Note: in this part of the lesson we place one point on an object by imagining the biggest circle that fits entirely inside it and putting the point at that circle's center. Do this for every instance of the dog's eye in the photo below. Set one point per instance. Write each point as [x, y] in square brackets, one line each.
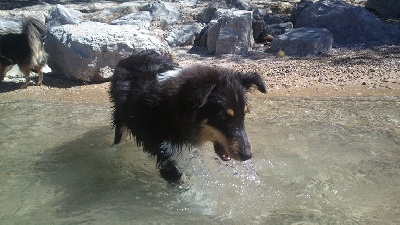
[230, 112]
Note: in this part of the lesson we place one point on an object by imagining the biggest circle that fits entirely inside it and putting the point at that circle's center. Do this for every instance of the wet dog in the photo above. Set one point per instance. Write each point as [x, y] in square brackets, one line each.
[24, 49]
[166, 108]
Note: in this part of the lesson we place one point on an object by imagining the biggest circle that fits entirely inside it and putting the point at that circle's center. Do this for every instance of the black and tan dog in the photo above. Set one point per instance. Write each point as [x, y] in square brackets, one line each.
[24, 49]
[166, 108]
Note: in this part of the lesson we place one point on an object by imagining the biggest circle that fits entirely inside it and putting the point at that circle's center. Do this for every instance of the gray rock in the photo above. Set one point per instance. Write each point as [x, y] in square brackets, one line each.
[231, 32]
[350, 25]
[208, 13]
[164, 11]
[183, 35]
[385, 8]
[8, 25]
[141, 20]
[278, 29]
[90, 51]
[304, 41]
[61, 16]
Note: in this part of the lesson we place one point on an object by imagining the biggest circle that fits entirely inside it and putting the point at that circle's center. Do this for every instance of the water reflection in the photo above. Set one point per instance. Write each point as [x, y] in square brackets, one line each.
[316, 161]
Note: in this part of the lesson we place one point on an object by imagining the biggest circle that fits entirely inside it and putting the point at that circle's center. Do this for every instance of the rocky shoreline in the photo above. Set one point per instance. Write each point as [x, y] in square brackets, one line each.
[352, 71]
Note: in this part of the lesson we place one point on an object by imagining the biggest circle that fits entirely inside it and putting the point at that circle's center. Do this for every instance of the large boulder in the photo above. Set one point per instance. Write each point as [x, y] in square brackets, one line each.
[349, 24]
[304, 41]
[90, 51]
[385, 8]
[230, 32]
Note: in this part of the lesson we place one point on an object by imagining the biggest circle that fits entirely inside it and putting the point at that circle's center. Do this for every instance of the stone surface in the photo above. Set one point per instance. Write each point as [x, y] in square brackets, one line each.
[61, 16]
[90, 51]
[385, 8]
[304, 41]
[231, 32]
[183, 35]
[350, 25]
[9, 25]
[141, 20]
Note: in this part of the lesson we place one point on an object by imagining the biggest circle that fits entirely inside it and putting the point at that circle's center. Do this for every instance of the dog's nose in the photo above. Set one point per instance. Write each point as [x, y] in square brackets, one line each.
[245, 156]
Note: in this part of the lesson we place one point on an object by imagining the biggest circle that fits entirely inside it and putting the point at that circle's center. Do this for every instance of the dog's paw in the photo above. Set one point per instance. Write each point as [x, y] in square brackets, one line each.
[169, 171]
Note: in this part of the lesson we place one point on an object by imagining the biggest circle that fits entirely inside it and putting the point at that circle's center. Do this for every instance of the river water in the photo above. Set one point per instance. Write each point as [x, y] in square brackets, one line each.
[316, 161]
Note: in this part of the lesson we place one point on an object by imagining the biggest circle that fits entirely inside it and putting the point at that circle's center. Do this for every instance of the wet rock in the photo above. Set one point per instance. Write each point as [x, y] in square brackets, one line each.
[90, 51]
[61, 16]
[230, 33]
[350, 25]
[385, 8]
[304, 41]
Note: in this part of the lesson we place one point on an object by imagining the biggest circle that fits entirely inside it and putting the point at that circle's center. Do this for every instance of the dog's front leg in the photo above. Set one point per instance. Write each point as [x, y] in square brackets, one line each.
[167, 167]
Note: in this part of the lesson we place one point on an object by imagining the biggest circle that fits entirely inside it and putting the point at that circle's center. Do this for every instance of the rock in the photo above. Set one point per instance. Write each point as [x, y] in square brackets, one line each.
[304, 41]
[237, 4]
[207, 14]
[183, 35]
[385, 8]
[90, 51]
[201, 38]
[270, 18]
[298, 9]
[110, 13]
[141, 20]
[163, 11]
[278, 29]
[8, 25]
[61, 16]
[231, 32]
[350, 25]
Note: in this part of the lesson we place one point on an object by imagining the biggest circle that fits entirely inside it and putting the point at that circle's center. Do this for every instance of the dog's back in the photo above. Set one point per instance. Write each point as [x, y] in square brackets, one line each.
[131, 77]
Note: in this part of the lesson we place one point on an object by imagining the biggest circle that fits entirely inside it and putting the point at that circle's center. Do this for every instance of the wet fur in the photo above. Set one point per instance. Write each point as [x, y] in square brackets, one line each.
[25, 49]
[197, 105]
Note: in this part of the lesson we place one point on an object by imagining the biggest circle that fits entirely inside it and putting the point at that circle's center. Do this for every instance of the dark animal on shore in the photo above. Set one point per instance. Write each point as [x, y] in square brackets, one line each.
[24, 49]
[166, 108]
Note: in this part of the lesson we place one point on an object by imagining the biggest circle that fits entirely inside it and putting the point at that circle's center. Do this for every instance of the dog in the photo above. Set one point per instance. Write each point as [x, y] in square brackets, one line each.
[165, 107]
[25, 49]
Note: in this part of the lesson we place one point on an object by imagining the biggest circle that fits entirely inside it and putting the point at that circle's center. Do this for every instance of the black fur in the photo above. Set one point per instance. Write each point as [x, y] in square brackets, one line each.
[199, 104]
[24, 49]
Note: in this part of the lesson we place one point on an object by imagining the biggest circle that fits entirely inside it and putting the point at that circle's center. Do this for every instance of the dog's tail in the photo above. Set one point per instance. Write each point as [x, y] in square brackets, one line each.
[35, 31]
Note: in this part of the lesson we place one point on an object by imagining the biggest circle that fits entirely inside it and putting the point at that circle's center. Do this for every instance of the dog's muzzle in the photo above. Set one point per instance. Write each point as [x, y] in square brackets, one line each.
[238, 147]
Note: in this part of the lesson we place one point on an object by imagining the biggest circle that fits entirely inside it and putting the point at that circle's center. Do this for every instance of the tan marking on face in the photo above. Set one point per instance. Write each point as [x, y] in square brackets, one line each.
[209, 133]
[230, 112]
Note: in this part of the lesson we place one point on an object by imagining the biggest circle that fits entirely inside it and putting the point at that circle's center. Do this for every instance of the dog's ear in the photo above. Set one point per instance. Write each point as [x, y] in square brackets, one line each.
[199, 95]
[194, 96]
[252, 78]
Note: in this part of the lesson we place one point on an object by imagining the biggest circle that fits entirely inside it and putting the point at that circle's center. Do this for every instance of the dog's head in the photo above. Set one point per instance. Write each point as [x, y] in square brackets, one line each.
[215, 100]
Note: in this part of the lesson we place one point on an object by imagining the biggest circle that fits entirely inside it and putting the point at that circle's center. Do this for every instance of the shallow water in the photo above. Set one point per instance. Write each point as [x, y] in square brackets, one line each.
[316, 161]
